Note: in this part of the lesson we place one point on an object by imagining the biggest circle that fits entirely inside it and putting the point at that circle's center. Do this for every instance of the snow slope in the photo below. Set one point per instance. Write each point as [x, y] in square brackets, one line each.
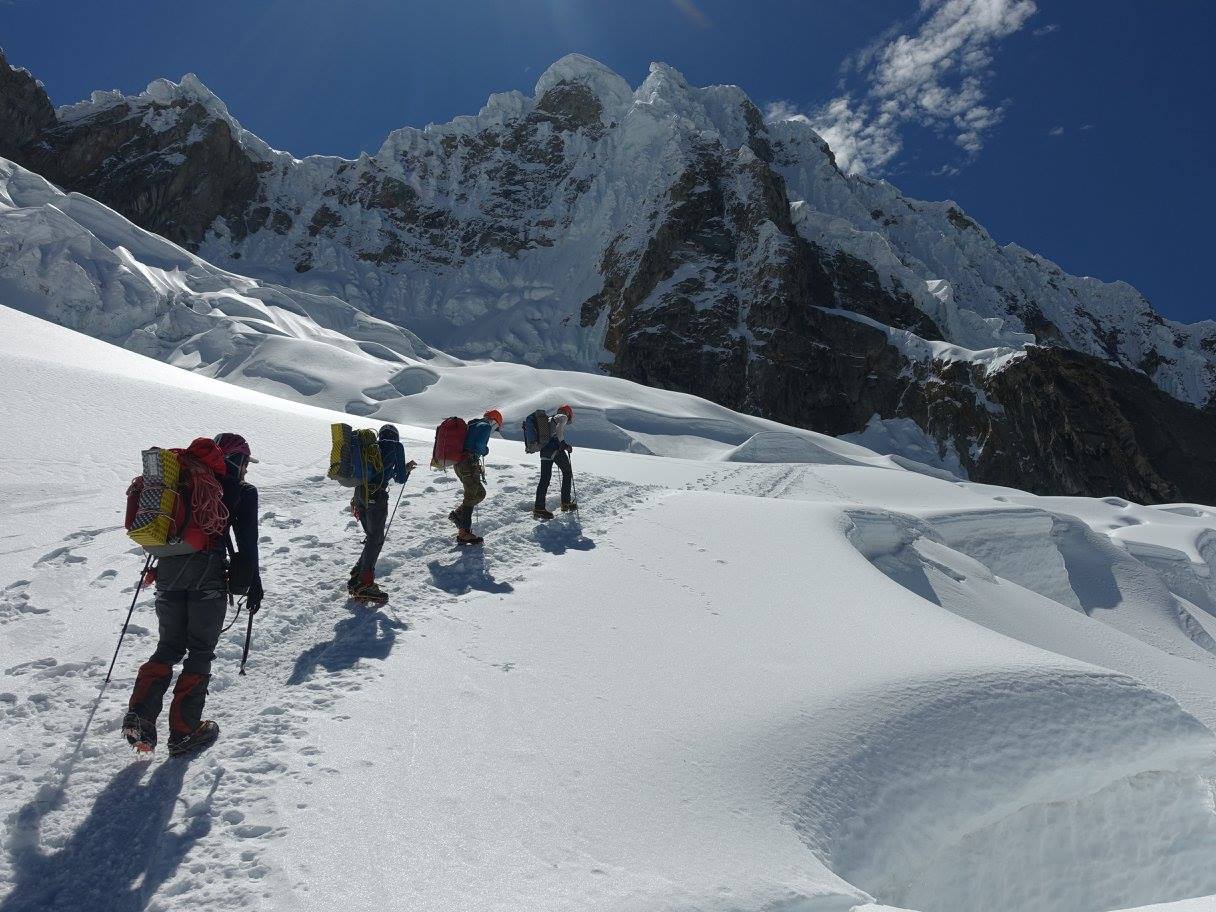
[722, 685]
[69, 259]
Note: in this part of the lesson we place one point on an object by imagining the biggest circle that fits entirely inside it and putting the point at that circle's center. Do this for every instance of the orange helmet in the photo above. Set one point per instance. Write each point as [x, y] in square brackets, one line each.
[567, 411]
[494, 415]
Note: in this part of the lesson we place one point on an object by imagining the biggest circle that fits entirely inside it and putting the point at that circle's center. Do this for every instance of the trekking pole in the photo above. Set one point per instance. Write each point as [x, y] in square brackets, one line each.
[393, 515]
[248, 637]
[142, 573]
[573, 483]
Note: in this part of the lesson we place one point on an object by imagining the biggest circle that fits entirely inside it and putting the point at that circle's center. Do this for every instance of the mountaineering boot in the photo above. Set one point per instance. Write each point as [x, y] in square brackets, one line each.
[542, 513]
[370, 592]
[466, 537]
[567, 507]
[366, 589]
[201, 737]
[139, 732]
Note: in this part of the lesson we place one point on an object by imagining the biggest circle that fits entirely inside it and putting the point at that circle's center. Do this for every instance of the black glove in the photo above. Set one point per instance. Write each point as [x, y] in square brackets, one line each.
[569, 449]
[254, 600]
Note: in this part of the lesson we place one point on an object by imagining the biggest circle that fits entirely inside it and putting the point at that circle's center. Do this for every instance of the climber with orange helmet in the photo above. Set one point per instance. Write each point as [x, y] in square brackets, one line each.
[556, 450]
[472, 473]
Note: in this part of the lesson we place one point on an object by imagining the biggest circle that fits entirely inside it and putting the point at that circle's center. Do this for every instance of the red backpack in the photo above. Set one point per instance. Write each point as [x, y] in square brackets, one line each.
[177, 505]
[449, 443]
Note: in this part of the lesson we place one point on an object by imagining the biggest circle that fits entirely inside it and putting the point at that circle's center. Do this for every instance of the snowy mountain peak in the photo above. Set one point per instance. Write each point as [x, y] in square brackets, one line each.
[721, 110]
[162, 103]
[664, 81]
[612, 90]
[190, 89]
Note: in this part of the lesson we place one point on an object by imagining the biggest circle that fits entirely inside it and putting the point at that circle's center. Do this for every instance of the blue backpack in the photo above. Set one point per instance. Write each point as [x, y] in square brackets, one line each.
[477, 437]
[393, 454]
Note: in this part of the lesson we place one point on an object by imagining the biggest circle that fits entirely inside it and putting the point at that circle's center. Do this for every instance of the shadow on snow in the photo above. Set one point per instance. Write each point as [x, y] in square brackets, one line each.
[363, 635]
[466, 573]
[118, 857]
[560, 537]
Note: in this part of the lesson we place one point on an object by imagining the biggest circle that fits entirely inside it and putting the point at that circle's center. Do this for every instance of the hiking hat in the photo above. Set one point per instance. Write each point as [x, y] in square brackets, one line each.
[494, 415]
[567, 411]
[234, 443]
[389, 432]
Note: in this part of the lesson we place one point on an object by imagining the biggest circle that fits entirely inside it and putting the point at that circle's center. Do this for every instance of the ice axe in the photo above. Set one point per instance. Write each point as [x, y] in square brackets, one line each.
[248, 637]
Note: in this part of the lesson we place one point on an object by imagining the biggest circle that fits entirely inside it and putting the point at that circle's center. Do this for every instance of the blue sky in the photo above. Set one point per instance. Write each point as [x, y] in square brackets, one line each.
[1082, 129]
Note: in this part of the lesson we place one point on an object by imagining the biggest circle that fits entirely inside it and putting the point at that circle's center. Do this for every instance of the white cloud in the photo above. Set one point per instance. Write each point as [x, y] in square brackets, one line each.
[1046, 30]
[781, 110]
[1057, 131]
[931, 75]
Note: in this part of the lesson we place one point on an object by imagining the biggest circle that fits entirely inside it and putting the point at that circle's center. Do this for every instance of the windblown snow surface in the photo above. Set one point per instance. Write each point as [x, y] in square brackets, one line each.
[825, 685]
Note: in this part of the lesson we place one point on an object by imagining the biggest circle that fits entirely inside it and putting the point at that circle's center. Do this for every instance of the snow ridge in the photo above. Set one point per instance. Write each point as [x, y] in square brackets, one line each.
[156, 104]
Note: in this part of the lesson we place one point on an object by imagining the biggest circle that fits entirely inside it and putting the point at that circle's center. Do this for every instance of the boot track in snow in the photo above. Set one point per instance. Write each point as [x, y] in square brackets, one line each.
[96, 816]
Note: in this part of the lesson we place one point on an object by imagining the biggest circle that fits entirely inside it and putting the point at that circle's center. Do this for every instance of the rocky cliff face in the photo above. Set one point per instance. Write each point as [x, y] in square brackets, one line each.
[668, 235]
[25, 110]
[170, 166]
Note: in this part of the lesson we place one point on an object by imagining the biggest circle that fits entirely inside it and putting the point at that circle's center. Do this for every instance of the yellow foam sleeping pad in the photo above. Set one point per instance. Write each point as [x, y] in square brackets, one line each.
[339, 452]
[154, 525]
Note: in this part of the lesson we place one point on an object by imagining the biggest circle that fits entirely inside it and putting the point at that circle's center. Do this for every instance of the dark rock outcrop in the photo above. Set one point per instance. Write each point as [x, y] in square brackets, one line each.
[25, 110]
[174, 177]
[1073, 424]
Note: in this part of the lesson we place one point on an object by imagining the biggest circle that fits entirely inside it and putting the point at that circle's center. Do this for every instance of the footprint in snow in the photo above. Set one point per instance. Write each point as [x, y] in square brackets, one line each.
[64, 670]
[104, 579]
[87, 535]
[270, 518]
[15, 602]
[35, 665]
[61, 556]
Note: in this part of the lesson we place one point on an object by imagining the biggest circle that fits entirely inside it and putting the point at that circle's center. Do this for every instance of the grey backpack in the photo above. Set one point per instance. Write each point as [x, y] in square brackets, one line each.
[536, 431]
